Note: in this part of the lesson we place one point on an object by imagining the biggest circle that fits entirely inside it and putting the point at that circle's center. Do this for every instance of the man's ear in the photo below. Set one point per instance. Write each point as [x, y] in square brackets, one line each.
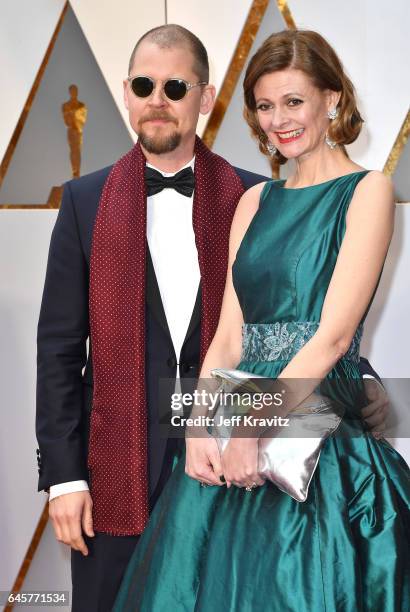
[208, 96]
[125, 92]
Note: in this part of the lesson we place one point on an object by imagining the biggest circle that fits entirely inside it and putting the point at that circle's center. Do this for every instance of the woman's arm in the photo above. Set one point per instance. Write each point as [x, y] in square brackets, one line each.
[202, 457]
[225, 348]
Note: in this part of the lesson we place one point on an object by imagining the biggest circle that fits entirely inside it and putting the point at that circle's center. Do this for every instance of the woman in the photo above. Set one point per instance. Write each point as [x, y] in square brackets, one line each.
[308, 250]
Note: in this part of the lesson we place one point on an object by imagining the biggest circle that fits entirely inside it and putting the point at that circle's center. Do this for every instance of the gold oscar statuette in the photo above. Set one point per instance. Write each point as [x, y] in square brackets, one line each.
[75, 115]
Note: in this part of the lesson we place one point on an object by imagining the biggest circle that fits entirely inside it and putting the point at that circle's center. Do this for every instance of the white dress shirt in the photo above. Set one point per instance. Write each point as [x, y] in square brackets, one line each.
[171, 242]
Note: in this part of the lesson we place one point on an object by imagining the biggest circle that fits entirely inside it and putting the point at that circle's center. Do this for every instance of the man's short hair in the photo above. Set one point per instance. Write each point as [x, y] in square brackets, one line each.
[171, 36]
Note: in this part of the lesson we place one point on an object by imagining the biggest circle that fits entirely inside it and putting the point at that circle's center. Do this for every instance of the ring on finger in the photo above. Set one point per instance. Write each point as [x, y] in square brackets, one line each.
[250, 487]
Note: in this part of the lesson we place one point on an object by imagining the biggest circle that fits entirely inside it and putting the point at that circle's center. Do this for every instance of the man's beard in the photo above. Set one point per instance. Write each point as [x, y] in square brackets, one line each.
[159, 144]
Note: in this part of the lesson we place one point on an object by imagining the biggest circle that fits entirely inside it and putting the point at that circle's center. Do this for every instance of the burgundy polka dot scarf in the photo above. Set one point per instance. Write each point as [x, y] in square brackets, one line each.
[118, 436]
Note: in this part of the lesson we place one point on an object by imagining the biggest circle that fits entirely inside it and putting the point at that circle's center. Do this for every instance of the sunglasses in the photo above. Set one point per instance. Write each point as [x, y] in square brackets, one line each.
[174, 89]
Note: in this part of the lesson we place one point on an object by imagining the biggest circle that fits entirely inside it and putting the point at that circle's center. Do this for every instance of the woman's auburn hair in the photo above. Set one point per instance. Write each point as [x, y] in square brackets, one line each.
[309, 52]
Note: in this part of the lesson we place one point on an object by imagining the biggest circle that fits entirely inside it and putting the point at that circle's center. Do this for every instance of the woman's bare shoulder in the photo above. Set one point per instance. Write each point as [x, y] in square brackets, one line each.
[373, 199]
[245, 211]
[249, 202]
[375, 186]
[377, 178]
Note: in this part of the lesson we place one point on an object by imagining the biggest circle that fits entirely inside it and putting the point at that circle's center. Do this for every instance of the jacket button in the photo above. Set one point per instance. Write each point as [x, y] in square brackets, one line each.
[37, 451]
[171, 362]
[185, 368]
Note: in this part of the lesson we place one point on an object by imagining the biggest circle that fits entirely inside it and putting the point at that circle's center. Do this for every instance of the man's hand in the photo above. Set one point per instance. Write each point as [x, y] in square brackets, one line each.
[375, 412]
[203, 460]
[69, 513]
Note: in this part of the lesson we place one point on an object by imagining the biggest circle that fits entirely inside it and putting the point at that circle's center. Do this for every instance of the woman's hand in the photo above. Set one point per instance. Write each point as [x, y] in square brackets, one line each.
[203, 460]
[240, 462]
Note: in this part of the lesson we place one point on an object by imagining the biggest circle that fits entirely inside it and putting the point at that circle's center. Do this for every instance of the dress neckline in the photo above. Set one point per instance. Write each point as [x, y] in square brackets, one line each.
[337, 178]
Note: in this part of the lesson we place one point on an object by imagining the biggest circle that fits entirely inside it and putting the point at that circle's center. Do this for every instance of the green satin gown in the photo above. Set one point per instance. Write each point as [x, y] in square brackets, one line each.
[347, 547]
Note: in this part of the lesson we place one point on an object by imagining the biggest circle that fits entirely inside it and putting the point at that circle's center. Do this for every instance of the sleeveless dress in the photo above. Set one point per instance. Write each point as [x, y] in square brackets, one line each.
[347, 547]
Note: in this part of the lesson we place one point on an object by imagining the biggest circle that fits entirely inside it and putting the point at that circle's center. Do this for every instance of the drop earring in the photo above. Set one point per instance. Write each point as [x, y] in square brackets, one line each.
[330, 143]
[271, 148]
[332, 114]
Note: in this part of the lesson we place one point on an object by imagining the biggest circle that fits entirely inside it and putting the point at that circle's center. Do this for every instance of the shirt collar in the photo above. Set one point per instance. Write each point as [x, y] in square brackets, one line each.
[189, 164]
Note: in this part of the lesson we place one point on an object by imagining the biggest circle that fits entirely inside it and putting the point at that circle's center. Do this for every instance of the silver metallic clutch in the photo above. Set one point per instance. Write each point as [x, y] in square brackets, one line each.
[288, 455]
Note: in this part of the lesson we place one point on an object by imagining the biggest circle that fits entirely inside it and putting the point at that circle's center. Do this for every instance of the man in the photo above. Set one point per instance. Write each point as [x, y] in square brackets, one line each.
[137, 264]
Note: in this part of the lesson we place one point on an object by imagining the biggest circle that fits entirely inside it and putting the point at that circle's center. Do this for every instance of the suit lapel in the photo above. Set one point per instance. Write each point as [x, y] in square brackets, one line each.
[153, 295]
[196, 315]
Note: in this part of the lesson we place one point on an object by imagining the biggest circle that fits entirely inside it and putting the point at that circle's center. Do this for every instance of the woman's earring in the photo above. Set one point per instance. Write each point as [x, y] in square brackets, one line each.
[271, 148]
[332, 113]
[330, 143]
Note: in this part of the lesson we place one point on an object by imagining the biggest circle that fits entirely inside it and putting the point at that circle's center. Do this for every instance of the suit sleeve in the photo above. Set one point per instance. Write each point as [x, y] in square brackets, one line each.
[63, 329]
[366, 369]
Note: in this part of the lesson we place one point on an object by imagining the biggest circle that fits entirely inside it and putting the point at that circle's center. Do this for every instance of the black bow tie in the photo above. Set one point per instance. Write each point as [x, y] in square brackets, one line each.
[182, 181]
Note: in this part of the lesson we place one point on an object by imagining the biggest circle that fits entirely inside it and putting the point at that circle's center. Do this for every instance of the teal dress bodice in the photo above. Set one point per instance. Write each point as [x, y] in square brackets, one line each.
[289, 251]
[347, 547]
[286, 259]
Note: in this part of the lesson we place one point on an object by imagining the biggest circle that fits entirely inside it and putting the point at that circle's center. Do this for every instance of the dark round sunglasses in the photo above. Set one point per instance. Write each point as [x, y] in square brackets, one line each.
[174, 89]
